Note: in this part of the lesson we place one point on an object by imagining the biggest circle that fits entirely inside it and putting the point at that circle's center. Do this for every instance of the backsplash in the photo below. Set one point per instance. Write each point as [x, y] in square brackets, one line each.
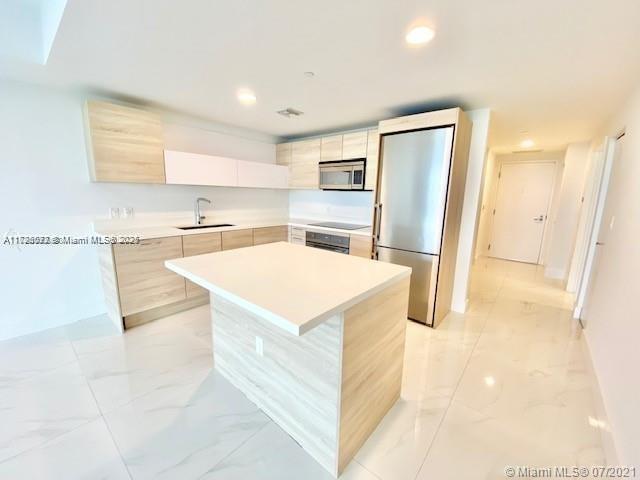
[354, 207]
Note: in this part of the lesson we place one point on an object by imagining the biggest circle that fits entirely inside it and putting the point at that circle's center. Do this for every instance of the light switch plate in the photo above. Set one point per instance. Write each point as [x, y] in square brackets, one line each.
[259, 346]
[114, 212]
[127, 212]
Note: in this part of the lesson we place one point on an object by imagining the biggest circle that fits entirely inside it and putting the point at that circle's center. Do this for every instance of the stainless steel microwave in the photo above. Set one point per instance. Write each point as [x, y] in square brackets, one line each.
[342, 174]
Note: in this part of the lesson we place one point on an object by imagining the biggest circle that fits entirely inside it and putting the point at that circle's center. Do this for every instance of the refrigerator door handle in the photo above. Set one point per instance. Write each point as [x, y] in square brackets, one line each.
[378, 219]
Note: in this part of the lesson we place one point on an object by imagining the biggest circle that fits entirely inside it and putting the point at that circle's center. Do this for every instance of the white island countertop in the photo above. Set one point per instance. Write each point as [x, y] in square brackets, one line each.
[292, 286]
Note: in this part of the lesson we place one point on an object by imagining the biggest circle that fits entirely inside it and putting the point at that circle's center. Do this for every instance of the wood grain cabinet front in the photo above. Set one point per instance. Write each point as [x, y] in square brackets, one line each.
[143, 280]
[270, 234]
[354, 145]
[237, 239]
[371, 173]
[303, 170]
[200, 244]
[360, 246]
[125, 144]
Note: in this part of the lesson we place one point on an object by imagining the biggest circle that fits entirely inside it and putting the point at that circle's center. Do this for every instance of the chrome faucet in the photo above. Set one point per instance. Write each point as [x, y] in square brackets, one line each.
[196, 209]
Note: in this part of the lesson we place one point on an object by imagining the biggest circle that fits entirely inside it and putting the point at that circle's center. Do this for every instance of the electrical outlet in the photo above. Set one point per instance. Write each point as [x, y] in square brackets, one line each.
[127, 212]
[260, 346]
[114, 212]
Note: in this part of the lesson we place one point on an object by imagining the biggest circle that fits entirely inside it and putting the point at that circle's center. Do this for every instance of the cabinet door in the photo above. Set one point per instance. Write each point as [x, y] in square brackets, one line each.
[125, 144]
[199, 244]
[371, 175]
[298, 236]
[262, 175]
[283, 154]
[237, 239]
[331, 148]
[270, 234]
[354, 145]
[360, 246]
[143, 280]
[303, 172]
[184, 168]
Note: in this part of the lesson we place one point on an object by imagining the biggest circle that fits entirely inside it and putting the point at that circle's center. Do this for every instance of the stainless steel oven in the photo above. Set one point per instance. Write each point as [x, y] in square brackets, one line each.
[342, 175]
[328, 241]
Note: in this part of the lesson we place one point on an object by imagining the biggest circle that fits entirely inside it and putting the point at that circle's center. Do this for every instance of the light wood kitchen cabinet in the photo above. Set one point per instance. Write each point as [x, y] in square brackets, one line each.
[360, 246]
[143, 280]
[331, 148]
[237, 239]
[270, 234]
[200, 244]
[125, 144]
[354, 145]
[303, 170]
[371, 173]
[283, 154]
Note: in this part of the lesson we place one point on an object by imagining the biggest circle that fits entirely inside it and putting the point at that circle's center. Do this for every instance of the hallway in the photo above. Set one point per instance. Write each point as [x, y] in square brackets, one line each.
[504, 384]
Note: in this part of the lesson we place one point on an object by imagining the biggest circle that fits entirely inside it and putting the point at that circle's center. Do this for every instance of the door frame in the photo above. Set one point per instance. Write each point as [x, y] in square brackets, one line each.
[542, 253]
[594, 229]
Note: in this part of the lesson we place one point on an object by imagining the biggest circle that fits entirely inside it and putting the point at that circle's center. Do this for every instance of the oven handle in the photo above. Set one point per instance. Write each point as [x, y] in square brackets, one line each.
[327, 247]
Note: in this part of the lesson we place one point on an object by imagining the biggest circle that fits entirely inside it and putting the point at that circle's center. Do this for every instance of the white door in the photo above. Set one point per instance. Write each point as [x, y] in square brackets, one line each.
[520, 215]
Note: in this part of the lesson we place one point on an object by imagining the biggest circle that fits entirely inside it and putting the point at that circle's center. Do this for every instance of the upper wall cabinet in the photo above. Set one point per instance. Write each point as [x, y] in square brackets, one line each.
[354, 145]
[124, 144]
[331, 148]
[303, 170]
[283, 154]
[262, 175]
[185, 168]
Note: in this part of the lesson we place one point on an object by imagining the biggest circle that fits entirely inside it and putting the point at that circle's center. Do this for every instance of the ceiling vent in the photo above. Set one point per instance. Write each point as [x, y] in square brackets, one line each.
[290, 112]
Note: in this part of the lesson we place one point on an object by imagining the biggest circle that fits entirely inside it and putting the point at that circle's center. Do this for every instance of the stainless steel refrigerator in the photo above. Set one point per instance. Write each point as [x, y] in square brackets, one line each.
[411, 201]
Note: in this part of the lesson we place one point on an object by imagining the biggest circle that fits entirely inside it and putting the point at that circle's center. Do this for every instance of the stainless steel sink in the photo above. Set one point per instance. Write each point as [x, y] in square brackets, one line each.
[195, 227]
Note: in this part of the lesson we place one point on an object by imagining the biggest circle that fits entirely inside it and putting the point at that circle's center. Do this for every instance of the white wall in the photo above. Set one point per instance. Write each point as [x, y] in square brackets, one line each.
[45, 189]
[471, 206]
[564, 222]
[613, 324]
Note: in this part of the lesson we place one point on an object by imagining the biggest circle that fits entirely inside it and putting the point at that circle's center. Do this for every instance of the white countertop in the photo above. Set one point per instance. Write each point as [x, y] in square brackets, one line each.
[146, 232]
[292, 286]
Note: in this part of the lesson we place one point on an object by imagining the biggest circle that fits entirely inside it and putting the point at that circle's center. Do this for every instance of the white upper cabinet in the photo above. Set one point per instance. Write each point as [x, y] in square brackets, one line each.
[183, 168]
[262, 175]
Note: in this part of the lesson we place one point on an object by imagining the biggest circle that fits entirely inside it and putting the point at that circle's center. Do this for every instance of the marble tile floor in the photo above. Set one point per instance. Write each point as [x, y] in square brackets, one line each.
[504, 384]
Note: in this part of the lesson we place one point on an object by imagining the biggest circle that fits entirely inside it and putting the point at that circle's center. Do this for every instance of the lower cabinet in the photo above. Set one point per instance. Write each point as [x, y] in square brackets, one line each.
[298, 236]
[270, 234]
[200, 244]
[143, 280]
[237, 239]
[360, 246]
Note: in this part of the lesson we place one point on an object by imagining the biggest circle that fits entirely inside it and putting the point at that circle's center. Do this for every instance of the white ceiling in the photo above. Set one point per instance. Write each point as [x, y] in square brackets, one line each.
[554, 68]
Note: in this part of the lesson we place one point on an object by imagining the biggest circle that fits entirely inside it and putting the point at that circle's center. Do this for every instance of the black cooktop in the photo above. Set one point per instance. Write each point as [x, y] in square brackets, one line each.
[343, 226]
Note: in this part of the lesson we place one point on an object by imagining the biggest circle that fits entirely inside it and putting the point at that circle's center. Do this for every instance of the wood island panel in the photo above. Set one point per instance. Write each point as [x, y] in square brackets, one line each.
[296, 380]
[360, 246]
[372, 359]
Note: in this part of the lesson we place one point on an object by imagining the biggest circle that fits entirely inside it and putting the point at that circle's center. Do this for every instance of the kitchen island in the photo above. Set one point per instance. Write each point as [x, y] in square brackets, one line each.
[314, 338]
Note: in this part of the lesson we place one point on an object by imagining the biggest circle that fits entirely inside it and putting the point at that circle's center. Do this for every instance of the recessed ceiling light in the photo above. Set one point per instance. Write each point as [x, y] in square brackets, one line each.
[528, 143]
[246, 96]
[420, 35]
[489, 381]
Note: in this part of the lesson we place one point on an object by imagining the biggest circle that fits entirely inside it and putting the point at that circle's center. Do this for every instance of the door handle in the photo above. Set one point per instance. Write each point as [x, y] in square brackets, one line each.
[539, 218]
[378, 219]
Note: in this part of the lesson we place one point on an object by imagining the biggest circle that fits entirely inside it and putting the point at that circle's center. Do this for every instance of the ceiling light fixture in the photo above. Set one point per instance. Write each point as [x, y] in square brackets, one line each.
[420, 35]
[290, 112]
[528, 143]
[246, 96]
